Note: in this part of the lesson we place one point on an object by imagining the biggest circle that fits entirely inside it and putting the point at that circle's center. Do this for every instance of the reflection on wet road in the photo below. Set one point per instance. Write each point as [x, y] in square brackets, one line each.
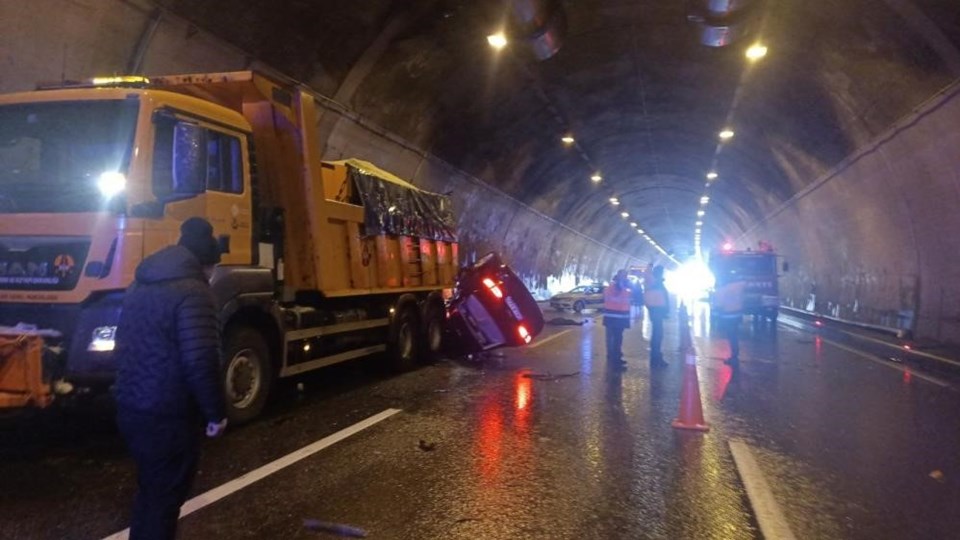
[545, 442]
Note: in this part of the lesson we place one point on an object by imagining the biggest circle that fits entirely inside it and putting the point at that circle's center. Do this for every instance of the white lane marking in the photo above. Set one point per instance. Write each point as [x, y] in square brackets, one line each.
[911, 352]
[217, 493]
[548, 339]
[913, 373]
[773, 524]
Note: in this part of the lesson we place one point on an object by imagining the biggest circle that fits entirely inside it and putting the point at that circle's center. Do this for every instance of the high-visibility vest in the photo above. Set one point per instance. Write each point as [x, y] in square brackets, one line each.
[730, 297]
[655, 297]
[616, 301]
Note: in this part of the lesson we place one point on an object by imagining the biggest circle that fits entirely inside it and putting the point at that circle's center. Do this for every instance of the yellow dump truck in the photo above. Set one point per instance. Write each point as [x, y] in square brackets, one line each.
[323, 261]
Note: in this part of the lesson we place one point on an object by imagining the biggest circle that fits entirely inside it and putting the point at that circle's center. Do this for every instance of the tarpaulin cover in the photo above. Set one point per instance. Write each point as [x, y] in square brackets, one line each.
[393, 206]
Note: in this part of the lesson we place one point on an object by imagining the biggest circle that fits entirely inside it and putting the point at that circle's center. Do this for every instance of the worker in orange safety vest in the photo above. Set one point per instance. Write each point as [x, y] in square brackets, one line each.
[657, 299]
[616, 317]
[729, 306]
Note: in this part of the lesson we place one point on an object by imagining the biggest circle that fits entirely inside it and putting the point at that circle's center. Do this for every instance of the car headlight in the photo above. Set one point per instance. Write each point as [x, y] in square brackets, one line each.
[102, 338]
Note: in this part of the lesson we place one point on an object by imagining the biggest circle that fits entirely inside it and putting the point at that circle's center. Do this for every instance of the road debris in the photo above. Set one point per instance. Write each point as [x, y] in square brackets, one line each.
[549, 376]
[339, 529]
[938, 475]
[427, 447]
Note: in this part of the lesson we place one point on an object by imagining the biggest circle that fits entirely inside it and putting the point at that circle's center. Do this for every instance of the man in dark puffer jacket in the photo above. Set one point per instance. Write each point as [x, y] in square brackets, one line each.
[168, 354]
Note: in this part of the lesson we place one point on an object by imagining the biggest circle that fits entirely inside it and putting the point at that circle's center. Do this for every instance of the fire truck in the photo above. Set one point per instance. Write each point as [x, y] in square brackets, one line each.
[758, 269]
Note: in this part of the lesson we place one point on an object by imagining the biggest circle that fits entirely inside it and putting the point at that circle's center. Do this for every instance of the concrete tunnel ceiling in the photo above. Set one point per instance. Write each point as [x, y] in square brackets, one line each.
[632, 81]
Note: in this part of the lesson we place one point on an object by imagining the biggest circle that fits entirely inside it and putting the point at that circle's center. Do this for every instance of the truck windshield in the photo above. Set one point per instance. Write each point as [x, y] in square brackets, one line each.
[64, 156]
[728, 266]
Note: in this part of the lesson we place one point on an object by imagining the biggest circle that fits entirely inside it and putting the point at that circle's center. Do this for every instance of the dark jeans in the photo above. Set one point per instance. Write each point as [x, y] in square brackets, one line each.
[614, 343]
[656, 338]
[731, 329]
[166, 450]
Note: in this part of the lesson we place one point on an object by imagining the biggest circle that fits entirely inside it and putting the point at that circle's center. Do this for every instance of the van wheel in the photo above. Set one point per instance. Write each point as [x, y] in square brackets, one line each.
[578, 306]
[247, 374]
[434, 322]
[404, 336]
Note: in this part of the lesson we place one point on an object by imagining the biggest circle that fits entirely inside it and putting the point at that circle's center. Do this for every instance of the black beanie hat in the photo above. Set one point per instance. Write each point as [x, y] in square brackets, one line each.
[196, 234]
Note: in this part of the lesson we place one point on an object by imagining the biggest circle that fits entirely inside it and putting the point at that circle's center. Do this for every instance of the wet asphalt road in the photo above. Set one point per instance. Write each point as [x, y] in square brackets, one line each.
[545, 442]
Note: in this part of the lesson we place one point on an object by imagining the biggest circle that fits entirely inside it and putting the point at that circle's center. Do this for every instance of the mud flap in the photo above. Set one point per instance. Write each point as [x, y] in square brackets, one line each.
[21, 372]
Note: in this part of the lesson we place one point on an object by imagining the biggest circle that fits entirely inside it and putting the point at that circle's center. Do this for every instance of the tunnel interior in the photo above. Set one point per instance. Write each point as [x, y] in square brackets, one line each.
[842, 152]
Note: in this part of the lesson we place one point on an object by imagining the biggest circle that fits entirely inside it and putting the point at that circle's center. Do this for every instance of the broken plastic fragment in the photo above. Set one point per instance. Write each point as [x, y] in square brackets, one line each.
[339, 529]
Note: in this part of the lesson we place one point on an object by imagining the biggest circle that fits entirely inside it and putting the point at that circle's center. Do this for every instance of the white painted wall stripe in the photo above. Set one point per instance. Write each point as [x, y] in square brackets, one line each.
[773, 525]
[255, 475]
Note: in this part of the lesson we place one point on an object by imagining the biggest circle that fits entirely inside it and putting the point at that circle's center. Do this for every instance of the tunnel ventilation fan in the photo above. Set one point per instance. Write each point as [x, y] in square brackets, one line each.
[721, 23]
[541, 24]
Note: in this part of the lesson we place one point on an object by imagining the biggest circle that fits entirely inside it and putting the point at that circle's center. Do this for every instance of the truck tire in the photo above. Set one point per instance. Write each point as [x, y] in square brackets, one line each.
[404, 339]
[247, 374]
[434, 323]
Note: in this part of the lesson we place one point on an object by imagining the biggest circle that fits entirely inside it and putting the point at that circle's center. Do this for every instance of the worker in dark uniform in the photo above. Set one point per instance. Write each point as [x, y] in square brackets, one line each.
[657, 299]
[168, 383]
[616, 317]
[729, 307]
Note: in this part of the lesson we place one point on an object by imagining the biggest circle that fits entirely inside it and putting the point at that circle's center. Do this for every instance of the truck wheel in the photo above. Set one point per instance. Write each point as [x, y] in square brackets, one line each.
[247, 374]
[434, 321]
[578, 306]
[404, 336]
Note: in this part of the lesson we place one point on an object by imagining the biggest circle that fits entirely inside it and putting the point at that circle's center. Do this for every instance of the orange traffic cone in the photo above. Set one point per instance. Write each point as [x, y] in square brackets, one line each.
[691, 413]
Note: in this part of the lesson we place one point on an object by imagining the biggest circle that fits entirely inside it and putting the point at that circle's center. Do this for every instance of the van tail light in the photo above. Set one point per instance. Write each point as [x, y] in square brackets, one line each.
[524, 334]
[493, 287]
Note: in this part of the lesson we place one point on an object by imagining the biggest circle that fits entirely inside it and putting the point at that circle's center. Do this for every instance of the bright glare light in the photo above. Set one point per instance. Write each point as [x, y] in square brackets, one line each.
[111, 183]
[567, 139]
[691, 280]
[711, 175]
[704, 200]
[596, 177]
[497, 41]
[726, 134]
[727, 246]
[756, 52]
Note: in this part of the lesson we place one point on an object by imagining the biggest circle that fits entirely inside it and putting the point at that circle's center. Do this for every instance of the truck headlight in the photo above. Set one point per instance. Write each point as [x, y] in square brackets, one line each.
[102, 339]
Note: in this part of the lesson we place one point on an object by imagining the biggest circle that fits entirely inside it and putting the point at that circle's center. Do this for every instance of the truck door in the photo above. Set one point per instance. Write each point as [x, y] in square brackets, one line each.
[228, 197]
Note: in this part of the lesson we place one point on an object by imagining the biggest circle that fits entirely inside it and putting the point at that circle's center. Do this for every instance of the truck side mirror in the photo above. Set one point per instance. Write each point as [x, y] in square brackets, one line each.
[189, 159]
[786, 267]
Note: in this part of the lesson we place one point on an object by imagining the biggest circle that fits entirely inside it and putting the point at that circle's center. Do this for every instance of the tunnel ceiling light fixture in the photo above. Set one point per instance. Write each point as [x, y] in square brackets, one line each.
[639, 231]
[497, 40]
[726, 134]
[712, 175]
[568, 140]
[700, 213]
[756, 52]
[704, 200]
[699, 223]
[624, 215]
[633, 224]
[596, 178]
[614, 201]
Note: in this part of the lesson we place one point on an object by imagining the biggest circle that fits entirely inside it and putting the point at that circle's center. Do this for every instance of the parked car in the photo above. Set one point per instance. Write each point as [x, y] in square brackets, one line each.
[490, 308]
[578, 299]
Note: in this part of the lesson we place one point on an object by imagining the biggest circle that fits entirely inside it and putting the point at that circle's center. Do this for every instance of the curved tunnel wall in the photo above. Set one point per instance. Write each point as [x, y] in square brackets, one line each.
[96, 37]
[876, 238]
